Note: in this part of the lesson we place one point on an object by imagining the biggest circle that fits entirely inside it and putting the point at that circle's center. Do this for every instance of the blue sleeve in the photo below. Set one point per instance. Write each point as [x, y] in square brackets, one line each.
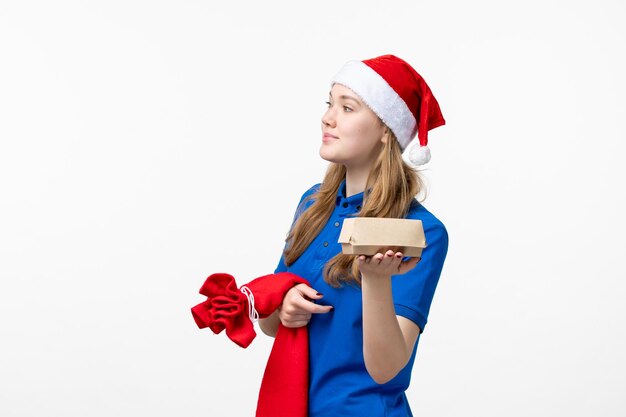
[413, 291]
[302, 206]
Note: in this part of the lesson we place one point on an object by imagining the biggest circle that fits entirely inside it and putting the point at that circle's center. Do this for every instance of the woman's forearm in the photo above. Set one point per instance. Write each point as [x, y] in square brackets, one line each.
[384, 346]
[269, 325]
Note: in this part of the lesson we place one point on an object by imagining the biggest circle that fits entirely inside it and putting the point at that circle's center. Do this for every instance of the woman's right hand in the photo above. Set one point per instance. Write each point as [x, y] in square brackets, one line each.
[296, 309]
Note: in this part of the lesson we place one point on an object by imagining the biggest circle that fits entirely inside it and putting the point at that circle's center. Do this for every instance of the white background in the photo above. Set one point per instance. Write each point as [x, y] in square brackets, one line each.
[148, 144]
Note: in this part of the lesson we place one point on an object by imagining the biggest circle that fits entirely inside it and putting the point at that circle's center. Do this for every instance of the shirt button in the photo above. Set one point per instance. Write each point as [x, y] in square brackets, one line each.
[336, 224]
[345, 204]
[325, 243]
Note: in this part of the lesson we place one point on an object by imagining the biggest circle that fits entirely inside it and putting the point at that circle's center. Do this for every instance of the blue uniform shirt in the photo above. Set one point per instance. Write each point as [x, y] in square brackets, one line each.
[339, 384]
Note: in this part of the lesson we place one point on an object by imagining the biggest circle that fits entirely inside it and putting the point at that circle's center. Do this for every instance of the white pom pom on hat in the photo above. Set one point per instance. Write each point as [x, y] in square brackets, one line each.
[399, 96]
[419, 155]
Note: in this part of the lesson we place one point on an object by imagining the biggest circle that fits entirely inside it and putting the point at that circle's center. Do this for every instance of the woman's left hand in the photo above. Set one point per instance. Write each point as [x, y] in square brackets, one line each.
[381, 265]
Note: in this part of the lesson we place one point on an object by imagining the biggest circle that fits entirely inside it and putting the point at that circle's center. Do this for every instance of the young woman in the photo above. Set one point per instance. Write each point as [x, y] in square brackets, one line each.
[365, 314]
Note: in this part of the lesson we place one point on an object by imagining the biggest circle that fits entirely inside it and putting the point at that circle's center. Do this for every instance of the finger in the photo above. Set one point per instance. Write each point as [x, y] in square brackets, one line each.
[324, 309]
[309, 292]
[408, 265]
[398, 259]
[311, 307]
[295, 321]
[394, 259]
[293, 324]
[389, 256]
[299, 315]
[364, 259]
[294, 309]
[295, 313]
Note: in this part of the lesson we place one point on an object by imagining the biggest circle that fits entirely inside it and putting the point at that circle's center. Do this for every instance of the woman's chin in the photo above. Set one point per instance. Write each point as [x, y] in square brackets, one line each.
[325, 155]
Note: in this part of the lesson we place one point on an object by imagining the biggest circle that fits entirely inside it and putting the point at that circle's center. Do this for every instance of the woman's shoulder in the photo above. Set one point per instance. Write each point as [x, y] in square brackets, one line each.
[306, 202]
[312, 190]
[430, 222]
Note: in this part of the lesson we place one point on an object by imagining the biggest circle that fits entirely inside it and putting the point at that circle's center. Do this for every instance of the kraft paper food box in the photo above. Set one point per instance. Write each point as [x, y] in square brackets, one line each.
[369, 235]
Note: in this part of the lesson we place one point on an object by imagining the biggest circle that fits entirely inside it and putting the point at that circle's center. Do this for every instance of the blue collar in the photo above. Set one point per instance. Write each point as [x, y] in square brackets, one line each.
[354, 200]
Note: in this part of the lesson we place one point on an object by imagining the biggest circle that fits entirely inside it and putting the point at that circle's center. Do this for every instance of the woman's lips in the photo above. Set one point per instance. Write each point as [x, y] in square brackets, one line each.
[328, 137]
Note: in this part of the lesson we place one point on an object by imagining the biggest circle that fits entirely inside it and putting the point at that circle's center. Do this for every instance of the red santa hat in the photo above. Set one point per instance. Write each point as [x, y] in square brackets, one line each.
[399, 96]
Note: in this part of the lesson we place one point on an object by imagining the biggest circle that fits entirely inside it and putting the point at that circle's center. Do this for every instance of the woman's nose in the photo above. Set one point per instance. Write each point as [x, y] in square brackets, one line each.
[328, 118]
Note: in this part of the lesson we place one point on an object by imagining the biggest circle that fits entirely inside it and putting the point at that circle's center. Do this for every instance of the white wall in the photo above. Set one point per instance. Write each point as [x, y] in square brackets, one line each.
[147, 144]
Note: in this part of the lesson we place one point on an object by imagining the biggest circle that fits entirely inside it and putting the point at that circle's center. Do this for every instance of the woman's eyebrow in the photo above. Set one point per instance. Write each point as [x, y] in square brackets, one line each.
[346, 97]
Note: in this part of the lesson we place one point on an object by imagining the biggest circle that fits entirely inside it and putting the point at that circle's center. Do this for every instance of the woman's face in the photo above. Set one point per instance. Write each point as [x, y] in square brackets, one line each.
[352, 134]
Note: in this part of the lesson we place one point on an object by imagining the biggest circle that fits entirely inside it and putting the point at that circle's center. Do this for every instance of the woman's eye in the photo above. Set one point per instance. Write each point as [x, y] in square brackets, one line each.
[345, 108]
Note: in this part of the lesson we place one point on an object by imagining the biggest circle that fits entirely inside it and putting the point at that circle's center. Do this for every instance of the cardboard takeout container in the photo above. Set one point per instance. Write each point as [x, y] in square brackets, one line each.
[369, 235]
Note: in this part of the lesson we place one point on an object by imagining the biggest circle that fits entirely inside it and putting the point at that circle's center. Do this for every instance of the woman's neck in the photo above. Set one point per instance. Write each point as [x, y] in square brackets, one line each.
[356, 179]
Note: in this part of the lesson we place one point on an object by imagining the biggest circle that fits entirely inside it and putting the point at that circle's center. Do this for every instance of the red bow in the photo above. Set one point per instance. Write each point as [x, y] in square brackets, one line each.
[284, 388]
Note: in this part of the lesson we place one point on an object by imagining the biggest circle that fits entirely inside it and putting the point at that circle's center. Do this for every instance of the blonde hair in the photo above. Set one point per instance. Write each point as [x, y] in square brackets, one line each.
[391, 186]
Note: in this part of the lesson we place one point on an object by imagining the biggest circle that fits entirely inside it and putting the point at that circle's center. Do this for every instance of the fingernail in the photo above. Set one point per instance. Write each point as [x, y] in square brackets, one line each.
[319, 293]
[398, 255]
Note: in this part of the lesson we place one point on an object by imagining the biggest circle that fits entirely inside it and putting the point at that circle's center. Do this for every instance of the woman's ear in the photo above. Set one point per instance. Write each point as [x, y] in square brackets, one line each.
[385, 136]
